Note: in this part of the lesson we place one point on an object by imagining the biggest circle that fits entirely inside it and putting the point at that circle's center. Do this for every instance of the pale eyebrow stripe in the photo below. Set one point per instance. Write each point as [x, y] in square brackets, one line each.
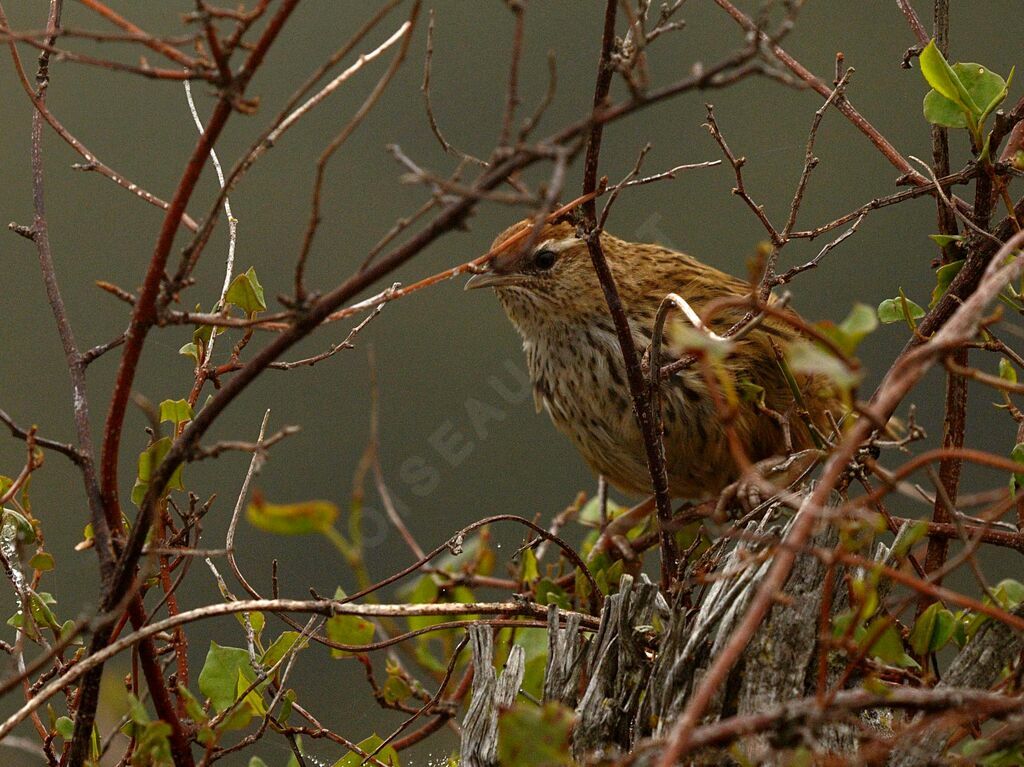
[559, 245]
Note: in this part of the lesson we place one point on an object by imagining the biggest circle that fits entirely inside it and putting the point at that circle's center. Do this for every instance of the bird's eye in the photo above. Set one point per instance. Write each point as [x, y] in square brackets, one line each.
[544, 259]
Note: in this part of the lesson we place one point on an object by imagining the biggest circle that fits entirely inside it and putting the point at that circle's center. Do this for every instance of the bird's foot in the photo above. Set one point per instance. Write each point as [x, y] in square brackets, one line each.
[767, 479]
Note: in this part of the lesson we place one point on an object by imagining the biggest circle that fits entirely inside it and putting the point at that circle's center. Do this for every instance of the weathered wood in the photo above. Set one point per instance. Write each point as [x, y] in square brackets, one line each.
[693, 641]
[491, 694]
[567, 653]
[978, 666]
[619, 667]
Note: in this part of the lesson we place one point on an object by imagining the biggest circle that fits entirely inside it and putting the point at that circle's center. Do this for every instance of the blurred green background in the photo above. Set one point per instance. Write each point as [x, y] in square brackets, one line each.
[442, 355]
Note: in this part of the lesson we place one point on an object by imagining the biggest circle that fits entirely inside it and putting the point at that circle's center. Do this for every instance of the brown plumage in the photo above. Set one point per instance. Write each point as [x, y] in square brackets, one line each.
[553, 297]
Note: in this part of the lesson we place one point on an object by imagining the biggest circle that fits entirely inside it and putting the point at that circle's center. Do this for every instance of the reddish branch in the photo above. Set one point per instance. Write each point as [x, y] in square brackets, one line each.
[647, 420]
[143, 318]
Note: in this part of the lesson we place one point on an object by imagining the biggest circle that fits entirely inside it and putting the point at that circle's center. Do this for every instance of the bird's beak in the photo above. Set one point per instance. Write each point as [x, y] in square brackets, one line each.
[492, 279]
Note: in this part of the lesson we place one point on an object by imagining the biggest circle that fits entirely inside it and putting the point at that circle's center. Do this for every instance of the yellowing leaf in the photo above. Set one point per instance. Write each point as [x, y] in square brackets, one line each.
[291, 518]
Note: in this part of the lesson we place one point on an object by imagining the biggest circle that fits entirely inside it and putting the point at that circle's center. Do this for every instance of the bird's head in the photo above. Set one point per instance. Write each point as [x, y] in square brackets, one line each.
[549, 271]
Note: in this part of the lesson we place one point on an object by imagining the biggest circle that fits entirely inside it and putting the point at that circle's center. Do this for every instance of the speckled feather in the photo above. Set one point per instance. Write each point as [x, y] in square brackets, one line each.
[576, 366]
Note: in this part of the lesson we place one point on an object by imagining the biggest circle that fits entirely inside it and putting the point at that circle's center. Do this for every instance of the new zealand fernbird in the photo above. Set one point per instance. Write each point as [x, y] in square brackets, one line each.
[552, 295]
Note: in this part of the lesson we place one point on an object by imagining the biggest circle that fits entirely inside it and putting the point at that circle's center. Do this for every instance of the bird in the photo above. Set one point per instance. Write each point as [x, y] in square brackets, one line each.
[552, 295]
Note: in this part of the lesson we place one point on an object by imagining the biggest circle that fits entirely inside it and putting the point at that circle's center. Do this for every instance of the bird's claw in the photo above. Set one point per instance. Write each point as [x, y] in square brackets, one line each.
[769, 477]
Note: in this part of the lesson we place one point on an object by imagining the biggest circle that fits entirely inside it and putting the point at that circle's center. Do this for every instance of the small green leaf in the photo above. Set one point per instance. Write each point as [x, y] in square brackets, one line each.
[149, 459]
[1017, 454]
[252, 698]
[549, 593]
[942, 240]
[859, 323]
[16, 525]
[1006, 370]
[932, 630]
[938, 110]
[590, 514]
[218, 680]
[529, 571]
[899, 310]
[192, 705]
[291, 518]
[386, 755]
[751, 392]
[888, 646]
[348, 629]
[395, 688]
[246, 293]
[810, 359]
[176, 411]
[943, 278]
[42, 560]
[255, 761]
[1009, 593]
[287, 700]
[281, 646]
[65, 727]
[905, 541]
[940, 75]
[42, 615]
[190, 350]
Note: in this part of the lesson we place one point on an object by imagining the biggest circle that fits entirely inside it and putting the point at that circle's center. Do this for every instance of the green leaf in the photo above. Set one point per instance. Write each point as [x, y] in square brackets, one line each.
[751, 392]
[65, 727]
[1017, 454]
[888, 646]
[286, 706]
[529, 571]
[942, 240]
[246, 293]
[941, 76]
[905, 541]
[424, 592]
[348, 629]
[190, 350]
[810, 359]
[16, 525]
[963, 95]
[899, 309]
[149, 459]
[590, 514]
[528, 734]
[1006, 370]
[192, 705]
[280, 647]
[859, 323]
[253, 699]
[549, 593]
[255, 761]
[932, 630]
[943, 277]
[291, 518]
[39, 604]
[938, 110]
[1009, 593]
[395, 688]
[176, 411]
[42, 560]
[386, 755]
[218, 680]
